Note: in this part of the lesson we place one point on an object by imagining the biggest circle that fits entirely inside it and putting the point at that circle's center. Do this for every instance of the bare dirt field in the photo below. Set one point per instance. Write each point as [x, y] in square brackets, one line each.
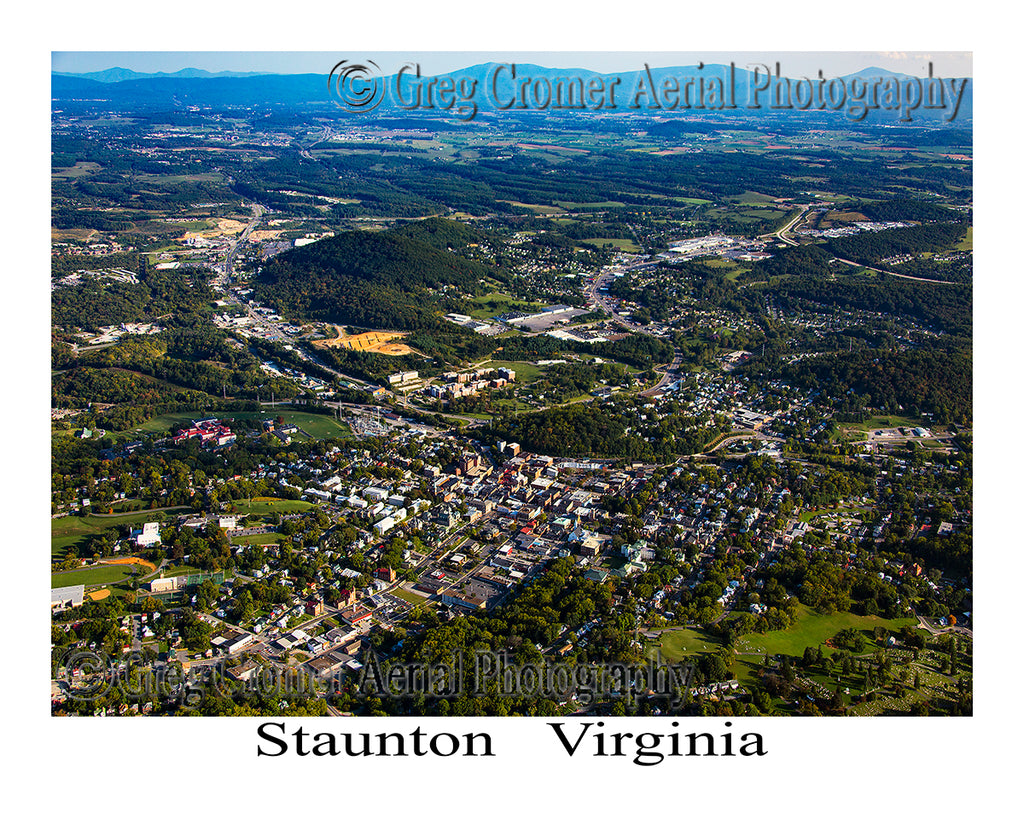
[371, 342]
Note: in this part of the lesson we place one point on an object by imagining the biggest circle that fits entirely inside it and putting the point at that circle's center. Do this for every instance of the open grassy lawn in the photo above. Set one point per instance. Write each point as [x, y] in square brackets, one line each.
[77, 170]
[175, 571]
[98, 576]
[59, 545]
[320, 426]
[495, 303]
[677, 644]
[162, 424]
[268, 506]
[811, 514]
[541, 209]
[511, 406]
[408, 596]
[91, 524]
[625, 245]
[72, 530]
[156, 179]
[751, 198]
[812, 629]
[589, 205]
[525, 371]
[808, 516]
[315, 425]
[258, 540]
[732, 269]
[967, 243]
[883, 422]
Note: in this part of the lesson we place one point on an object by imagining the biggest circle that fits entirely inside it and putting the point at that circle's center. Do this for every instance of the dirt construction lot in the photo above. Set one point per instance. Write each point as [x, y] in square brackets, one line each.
[371, 342]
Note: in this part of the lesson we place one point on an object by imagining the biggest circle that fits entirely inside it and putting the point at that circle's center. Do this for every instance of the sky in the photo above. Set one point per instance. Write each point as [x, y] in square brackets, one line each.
[793, 63]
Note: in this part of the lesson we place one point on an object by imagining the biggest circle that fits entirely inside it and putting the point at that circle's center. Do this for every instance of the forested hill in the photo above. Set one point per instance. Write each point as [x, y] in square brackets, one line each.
[383, 280]
[443, 234]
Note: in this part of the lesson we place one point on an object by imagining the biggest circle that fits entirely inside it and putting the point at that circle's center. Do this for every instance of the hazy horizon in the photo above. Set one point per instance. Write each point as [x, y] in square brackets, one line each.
[831, 63]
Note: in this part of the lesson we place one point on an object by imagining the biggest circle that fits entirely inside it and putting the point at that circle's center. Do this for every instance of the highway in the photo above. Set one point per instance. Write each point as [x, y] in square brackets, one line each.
[780, 234]
[890, 273]
[229, 260]
[668, 372]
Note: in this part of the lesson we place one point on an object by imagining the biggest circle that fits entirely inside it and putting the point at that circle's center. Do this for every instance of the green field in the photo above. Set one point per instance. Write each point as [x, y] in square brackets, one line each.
[732, 269]
[78, 169]
[883, 422]
[261, 540]
[686, 200]
[625, 245]
[175, 571]
[72, 530]
[589, 205]
[674, 645]
[842, 510]
[408, 596]
[314, 425]
[967, 243]
[269, 507]
[495, 303]
[98, 576]
[157, 179]
[752, 198]
[525, 371]
[541, 209]
[810, 629]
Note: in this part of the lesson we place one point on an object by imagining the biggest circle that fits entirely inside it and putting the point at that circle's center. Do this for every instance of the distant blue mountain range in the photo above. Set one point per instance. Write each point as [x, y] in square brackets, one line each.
[190, 86]
[122, 74]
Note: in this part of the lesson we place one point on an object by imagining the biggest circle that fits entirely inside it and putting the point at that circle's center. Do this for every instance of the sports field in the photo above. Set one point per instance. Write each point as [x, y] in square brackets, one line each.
[93, 576]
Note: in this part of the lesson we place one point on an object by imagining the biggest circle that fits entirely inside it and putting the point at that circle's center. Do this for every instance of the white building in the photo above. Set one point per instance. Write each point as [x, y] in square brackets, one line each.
[148, 535]
[66, 597]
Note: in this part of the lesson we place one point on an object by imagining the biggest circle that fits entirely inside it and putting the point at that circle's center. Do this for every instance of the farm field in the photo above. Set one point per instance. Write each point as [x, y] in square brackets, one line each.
[589, 205]
[78, 169]
[539, 209]
[751, 198]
